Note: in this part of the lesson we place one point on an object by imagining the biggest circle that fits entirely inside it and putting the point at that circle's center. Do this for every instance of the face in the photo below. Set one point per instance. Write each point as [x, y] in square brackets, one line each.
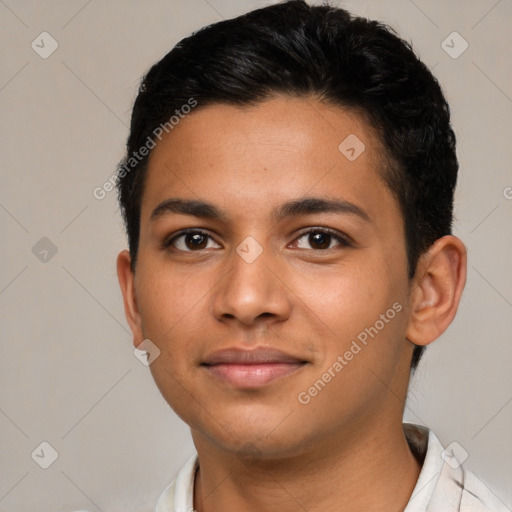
[279, 299]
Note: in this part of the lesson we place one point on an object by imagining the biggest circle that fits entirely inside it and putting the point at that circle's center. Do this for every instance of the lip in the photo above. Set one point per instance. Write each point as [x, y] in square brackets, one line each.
[251, 369]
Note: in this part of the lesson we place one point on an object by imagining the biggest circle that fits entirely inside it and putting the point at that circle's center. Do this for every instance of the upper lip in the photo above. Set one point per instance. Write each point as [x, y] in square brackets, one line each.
[258, 355]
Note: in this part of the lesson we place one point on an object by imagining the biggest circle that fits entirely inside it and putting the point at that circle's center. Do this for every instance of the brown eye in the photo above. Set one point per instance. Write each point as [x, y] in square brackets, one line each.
[190, 241]
[195, 241]
[321, 239]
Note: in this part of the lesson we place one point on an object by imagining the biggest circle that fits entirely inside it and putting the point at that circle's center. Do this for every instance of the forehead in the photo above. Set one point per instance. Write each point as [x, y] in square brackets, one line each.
[253, 157]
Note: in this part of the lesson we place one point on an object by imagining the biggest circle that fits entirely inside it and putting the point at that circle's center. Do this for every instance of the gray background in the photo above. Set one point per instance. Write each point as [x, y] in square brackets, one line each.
[68, 374]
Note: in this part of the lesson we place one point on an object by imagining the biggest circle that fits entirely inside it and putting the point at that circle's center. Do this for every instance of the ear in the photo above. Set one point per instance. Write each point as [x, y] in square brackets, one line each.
[126, 282]
[436, 290]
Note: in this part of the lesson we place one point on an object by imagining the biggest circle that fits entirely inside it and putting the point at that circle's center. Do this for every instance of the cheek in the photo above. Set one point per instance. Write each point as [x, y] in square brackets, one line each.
[165, 297]
[345, 296]
[363, 303]
[170, 305]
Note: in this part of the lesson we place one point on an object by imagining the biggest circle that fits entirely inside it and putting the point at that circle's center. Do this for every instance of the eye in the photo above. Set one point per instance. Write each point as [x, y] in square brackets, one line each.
[191, 240]
[321, 238]
[194, 240]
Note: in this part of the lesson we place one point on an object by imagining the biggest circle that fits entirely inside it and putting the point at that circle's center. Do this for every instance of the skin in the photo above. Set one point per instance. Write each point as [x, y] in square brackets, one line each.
[345, 449]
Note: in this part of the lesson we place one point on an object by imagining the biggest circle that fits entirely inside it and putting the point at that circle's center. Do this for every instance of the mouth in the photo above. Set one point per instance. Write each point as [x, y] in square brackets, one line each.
[250, 369]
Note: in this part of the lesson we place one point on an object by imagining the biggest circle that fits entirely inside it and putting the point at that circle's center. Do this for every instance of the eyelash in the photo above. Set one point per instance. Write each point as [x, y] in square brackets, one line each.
[343, 240]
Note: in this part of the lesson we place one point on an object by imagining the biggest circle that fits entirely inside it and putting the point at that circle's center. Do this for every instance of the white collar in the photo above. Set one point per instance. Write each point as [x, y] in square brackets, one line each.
[443, 485]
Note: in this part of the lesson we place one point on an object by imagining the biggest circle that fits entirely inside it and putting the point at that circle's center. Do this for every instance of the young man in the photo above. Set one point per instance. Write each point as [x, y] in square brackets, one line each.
[287, 193]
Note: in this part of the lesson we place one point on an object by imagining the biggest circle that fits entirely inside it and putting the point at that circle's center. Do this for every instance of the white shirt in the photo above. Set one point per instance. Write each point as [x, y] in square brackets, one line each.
[443, 484]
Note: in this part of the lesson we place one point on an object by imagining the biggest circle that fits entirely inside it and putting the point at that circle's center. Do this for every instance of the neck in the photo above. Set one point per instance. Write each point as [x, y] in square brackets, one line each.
[356, 471]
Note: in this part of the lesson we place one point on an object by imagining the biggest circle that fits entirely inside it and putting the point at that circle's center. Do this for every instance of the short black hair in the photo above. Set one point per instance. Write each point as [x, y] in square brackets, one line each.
[324, 52]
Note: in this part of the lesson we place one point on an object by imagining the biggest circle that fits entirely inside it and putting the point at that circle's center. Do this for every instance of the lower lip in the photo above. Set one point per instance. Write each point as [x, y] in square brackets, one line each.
[252, 375]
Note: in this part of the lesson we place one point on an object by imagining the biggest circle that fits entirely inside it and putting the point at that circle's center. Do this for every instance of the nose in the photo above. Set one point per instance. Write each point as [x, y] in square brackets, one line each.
[252, 292]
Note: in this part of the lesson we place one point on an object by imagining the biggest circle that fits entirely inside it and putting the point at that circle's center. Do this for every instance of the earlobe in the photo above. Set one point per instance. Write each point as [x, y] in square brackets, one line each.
[437, 288]
[126, 282]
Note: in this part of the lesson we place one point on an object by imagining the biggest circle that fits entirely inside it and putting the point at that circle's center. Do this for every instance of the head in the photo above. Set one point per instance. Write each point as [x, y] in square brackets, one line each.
[252, 112]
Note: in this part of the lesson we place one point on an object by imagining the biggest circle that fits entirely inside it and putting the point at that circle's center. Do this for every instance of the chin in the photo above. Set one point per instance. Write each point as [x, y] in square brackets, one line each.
[252, 439]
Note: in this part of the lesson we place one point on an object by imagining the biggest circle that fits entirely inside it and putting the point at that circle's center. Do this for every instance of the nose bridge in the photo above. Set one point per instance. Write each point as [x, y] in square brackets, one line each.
[251, 288]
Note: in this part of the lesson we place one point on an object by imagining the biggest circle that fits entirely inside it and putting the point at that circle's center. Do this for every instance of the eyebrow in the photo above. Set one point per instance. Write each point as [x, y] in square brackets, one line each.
[305, 206]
